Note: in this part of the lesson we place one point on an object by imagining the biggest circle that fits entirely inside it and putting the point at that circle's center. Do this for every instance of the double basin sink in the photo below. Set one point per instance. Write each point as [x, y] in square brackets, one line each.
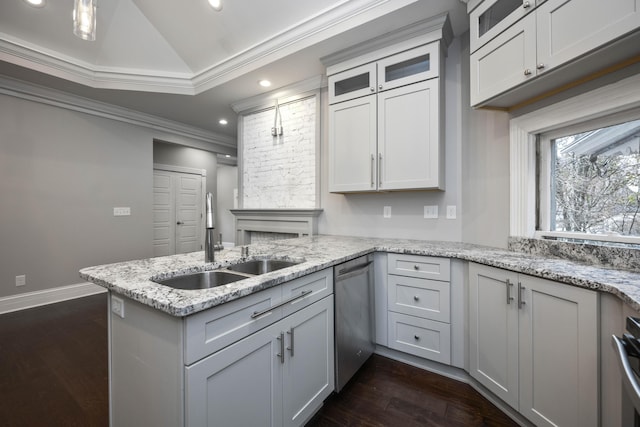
[233, 273]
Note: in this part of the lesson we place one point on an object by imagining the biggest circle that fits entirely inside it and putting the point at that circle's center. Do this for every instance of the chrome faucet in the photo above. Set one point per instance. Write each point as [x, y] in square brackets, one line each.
[209, 241]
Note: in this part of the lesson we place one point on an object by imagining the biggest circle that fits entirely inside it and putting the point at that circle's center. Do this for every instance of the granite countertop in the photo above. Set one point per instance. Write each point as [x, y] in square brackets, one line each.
[133, 278]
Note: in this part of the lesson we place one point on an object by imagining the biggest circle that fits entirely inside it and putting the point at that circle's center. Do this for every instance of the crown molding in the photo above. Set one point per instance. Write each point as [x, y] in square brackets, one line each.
[68, 68]
[325, 24]
[43, 95]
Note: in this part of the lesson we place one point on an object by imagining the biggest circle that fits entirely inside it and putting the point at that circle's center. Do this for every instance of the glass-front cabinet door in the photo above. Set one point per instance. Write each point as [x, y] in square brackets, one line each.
[412, 66]
[492, 17]
[351, 84]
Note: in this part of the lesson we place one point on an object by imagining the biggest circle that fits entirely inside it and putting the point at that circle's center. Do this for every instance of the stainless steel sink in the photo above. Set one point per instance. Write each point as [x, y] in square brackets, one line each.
[202, 280]
[261, 266]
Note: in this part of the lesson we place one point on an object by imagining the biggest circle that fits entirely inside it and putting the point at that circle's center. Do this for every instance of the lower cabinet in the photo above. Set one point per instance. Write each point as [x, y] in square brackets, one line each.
[534, 344]
[278, 376]
[418, 301]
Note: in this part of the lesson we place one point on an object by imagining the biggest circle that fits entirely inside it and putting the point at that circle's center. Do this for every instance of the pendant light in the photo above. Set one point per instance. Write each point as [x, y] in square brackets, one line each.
[84, 19]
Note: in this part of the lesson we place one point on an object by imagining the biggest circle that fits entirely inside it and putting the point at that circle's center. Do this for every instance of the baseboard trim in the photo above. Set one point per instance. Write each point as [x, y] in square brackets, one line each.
[47, 296]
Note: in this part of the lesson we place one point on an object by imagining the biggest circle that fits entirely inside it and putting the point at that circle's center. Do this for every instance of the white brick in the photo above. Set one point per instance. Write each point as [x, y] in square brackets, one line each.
[280, 172]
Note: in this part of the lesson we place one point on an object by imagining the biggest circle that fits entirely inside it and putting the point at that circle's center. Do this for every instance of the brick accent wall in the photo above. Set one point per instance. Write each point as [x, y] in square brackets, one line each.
[280, 172]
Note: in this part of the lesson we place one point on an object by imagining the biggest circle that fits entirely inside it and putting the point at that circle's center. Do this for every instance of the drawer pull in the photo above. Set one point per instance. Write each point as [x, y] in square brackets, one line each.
[416, 267]
[416, 298]
[416, 337]
[285, 302]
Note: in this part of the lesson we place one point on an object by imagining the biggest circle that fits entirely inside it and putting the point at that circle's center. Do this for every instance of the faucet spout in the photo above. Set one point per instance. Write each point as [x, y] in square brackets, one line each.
[209, 240]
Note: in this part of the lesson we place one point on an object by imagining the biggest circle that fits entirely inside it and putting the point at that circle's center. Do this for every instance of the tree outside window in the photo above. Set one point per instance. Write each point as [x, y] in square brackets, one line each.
[596, 181]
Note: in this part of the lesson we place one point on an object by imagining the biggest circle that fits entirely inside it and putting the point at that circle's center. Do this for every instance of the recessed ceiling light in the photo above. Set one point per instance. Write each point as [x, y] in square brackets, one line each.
[35, 3]
[264, 83]
[216, 4]
[223, 121]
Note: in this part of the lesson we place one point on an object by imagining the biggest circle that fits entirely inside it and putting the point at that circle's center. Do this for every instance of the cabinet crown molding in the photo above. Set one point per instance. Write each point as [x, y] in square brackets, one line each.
[437, 28]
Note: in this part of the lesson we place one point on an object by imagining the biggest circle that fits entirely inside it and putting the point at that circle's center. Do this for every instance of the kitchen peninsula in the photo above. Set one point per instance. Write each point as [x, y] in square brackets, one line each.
[152, 355]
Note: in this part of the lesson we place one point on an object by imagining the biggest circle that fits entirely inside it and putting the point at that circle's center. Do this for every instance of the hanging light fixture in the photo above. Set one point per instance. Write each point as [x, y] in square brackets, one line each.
[84, 19]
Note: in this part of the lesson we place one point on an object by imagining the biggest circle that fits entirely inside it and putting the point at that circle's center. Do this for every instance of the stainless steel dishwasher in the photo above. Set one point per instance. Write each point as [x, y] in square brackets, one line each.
[353, 288]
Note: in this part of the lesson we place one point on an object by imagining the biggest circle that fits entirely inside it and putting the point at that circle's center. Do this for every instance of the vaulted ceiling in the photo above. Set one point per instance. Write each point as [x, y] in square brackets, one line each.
[184, 61]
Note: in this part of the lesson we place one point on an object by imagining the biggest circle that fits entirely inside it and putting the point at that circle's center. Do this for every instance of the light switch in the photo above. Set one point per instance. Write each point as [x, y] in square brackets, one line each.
[431, 212]
[123, 211]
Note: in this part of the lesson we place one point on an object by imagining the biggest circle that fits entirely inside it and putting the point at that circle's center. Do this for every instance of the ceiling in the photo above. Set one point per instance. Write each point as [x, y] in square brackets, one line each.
[182, 60]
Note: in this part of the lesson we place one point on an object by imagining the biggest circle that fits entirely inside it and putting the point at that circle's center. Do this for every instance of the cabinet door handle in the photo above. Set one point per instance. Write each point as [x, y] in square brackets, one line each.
[540, 66]
[372, 89]
[379, 169]
[290, 348]
[521, 301]
[373, 167]
[526, 5]
[527, 72]
[416, 337]
[285, 302]
[416, 298]
[281, 354]
[179, 223]
[380, 87]
[509, 297]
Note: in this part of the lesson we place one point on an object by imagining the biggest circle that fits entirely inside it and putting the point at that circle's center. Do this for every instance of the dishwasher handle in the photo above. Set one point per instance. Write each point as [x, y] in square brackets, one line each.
[345, 273]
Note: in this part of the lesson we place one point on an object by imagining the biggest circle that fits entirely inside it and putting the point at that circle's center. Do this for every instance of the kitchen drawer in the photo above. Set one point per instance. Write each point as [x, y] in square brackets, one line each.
[428, 299]
[209, 331]
[423, 267]
[421, 337]
[315, 286]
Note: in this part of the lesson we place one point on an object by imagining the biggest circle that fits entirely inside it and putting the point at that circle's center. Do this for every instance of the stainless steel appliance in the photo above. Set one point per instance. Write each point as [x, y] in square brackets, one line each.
[628, 350]
[353, 288]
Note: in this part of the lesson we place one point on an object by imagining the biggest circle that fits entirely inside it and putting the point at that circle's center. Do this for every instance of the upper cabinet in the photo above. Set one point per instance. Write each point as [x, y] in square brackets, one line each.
[522, 49]
[386, 113]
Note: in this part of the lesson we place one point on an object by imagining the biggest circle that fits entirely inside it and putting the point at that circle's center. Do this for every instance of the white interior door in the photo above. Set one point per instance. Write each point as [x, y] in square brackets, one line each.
[177, 212]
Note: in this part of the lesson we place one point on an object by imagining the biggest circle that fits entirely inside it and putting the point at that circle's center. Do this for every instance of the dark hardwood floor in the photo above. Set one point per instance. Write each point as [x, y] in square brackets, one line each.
[389, 393]
[53, 372]
[53, 365]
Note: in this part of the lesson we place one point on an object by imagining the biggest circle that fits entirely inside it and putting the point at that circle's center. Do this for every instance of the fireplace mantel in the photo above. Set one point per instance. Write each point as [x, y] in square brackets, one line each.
[303, 222]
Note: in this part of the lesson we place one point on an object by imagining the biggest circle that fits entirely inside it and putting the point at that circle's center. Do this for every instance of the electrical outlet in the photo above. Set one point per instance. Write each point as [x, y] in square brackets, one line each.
[451, 212]
[117, 306]
[386, 212]
[124, 211]
[21, 280]
[431, 212]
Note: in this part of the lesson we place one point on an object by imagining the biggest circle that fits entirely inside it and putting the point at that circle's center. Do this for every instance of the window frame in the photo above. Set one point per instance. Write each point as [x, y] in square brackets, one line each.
[605, 104]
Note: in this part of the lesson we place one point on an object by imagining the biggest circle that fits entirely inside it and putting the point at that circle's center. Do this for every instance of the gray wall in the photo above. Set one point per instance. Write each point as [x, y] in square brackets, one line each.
[361, 214]
[227, 182]
[485, 169]
[61, 175]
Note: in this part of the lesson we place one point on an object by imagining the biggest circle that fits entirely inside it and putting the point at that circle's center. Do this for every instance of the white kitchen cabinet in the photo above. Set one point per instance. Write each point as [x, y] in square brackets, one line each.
[492, 17]
[222, 366]
[505, 62]
[409, 148]
[419, 320]
[533, 343]
[278, 376]
[353, 145]
[570, 35]
[385, 120]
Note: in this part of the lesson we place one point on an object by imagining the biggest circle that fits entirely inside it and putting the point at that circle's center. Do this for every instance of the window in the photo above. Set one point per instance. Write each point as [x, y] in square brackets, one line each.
[582, 117]
[589, 180]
